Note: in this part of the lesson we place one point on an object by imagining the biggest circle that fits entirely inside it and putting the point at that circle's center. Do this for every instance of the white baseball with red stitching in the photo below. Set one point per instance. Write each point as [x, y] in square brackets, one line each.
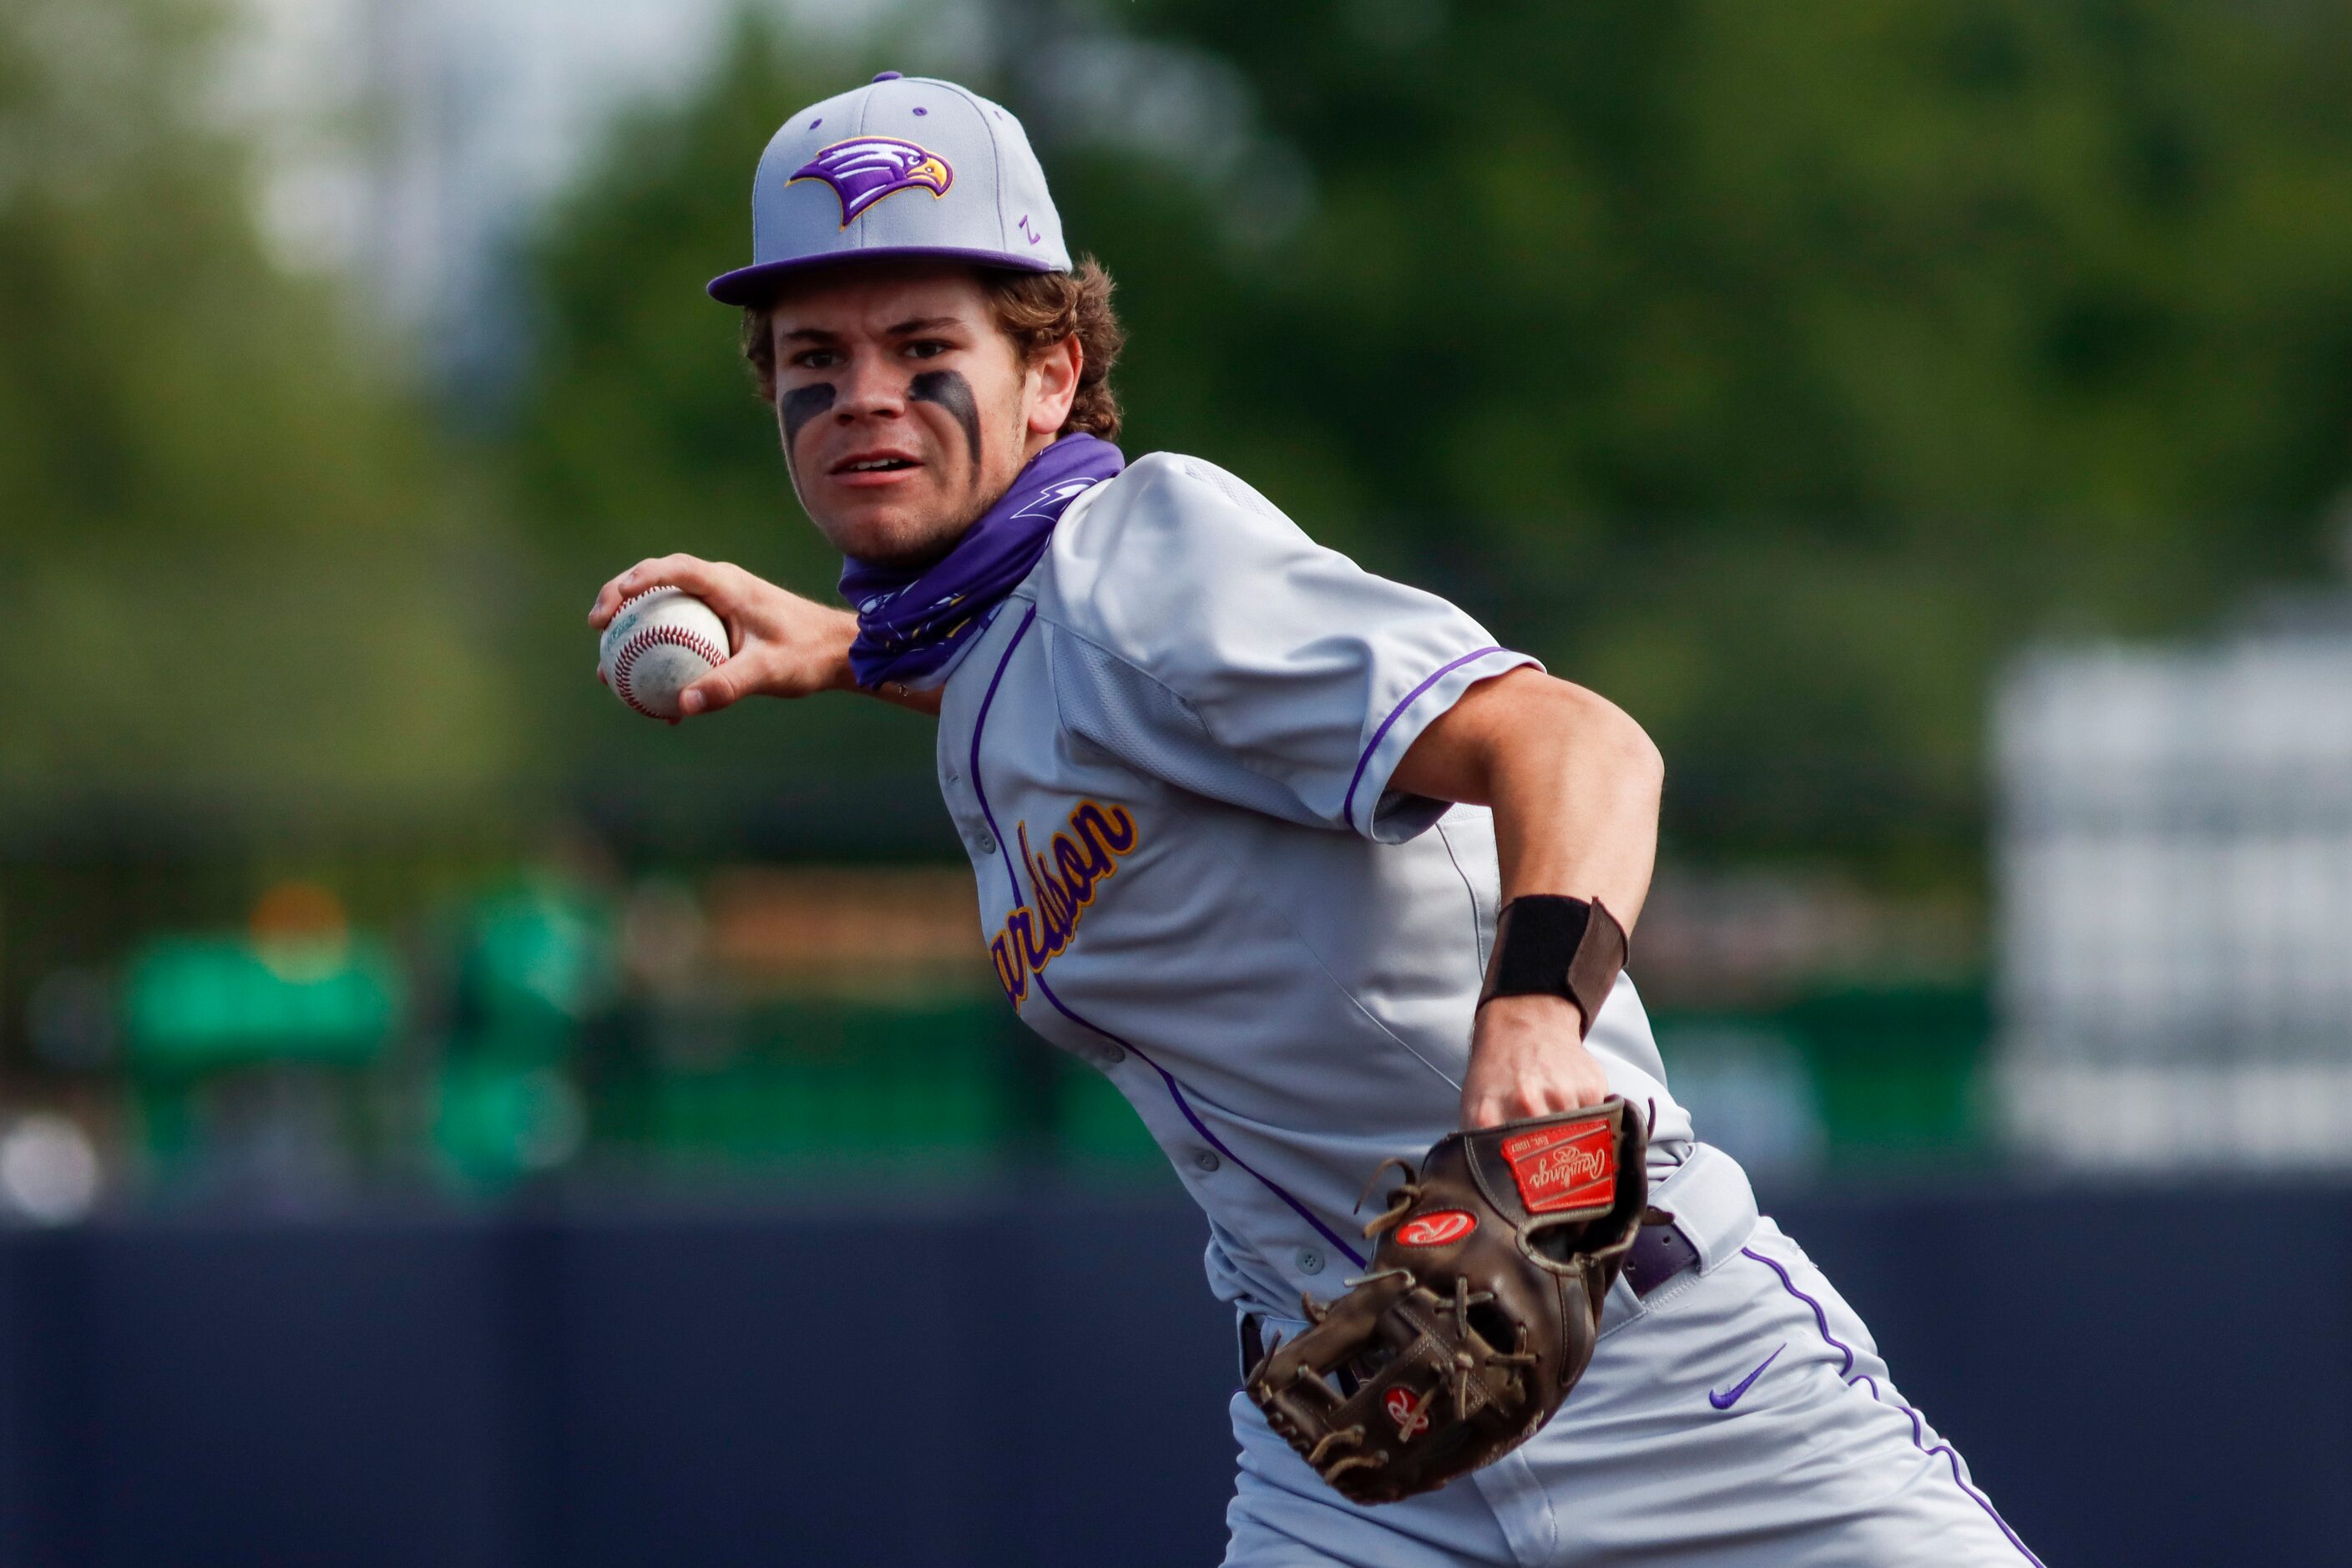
[661, 641]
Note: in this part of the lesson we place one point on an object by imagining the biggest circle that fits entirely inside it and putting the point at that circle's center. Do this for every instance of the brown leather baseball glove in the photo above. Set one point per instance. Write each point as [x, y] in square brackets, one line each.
[1479, 1312]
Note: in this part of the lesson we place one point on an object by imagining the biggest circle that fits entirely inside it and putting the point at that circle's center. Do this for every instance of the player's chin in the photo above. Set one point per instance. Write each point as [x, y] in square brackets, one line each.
[885, 530]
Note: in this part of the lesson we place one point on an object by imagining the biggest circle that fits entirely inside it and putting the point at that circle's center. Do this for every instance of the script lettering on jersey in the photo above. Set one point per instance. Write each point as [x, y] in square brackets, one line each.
[1063, 877]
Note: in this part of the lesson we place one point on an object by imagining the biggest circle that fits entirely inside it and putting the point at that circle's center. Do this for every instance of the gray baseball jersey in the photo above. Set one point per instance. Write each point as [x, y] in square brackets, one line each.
[1169, 759]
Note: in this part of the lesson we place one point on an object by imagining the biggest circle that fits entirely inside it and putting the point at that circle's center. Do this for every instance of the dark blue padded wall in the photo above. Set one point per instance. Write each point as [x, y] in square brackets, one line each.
[2151, 1376]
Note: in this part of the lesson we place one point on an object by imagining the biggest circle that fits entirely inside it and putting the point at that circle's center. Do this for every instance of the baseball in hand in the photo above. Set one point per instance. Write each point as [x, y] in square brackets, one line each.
[661, 642]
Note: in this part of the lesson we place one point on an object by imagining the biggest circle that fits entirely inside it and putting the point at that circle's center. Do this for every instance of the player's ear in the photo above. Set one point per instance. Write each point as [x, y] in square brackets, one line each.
[1052, 384]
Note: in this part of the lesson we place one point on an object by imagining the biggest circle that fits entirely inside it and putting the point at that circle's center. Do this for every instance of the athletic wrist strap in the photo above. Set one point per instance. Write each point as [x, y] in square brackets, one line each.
[1549, 945]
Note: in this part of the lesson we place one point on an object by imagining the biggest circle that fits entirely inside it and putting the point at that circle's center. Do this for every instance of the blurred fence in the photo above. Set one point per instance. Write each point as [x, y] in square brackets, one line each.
[465, 1026]
[1022, 1381]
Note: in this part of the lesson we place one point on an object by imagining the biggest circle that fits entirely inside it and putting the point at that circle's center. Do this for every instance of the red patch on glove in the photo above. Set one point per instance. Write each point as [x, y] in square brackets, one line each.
[1411, 1416]
[1572, 1166]
[1443, 1229]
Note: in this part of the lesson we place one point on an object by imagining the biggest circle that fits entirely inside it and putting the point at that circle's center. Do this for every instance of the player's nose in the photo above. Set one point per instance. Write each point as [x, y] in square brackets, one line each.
[869, 387]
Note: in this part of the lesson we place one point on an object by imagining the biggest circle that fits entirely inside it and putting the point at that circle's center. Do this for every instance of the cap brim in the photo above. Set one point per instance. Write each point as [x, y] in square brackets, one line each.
[749, 285]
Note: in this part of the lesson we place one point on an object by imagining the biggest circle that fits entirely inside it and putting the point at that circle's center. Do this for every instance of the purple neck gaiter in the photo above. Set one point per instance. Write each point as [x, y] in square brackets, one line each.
[910, 624]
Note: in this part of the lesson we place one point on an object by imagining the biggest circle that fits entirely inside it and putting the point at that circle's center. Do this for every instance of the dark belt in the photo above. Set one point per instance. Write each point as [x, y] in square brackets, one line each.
[1659, 1253]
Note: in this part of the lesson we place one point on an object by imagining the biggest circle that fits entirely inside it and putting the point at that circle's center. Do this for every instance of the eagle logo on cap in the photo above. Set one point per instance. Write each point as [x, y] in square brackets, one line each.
[863, 171]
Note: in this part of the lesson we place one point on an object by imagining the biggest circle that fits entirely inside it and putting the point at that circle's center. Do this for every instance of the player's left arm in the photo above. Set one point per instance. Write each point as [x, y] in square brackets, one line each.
[1574, 784]
[785, 646]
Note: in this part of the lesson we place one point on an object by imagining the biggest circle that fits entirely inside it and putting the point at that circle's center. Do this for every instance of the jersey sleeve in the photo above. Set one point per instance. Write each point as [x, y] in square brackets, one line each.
[1204, 639]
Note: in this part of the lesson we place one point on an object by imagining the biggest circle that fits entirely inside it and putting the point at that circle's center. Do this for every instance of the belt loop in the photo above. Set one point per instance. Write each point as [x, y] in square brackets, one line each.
[1712, 1203]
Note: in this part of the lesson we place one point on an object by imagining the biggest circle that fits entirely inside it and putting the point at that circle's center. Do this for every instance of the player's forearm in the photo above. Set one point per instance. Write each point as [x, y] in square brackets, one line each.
[840, 632]
[1573, 780]
[1575, 807]
[914, 701]
[896, 693]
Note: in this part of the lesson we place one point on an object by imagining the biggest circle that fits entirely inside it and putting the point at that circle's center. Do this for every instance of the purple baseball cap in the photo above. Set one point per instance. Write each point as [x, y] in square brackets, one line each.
[902, 166]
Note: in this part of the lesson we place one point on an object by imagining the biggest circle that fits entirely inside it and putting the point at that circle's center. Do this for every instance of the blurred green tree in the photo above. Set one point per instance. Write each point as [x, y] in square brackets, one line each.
[230, 550]
[1772, 369]
[1775, 369]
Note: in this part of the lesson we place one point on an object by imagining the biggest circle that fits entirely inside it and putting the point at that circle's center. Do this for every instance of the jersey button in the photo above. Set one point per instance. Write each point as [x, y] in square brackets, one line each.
[1310, 1261]
[1206, 1159]
[987, 842]
[1112, 1056]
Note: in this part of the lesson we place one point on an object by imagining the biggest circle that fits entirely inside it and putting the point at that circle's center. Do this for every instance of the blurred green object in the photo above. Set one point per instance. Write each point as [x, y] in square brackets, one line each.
[826, 1081]
[536, 961]
[1094, 1124]
[1898, 1068]
[1855, 1076]
[495, 1122]
[950, 1082]
[193, 1004]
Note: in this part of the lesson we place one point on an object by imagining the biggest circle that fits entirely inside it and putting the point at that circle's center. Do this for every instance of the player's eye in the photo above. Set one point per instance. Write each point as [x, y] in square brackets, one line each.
[928, 348]
[816, 359]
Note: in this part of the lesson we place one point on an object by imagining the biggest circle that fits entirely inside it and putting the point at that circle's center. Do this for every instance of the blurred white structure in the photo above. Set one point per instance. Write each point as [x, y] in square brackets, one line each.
[2175, 866]
[49, 1171]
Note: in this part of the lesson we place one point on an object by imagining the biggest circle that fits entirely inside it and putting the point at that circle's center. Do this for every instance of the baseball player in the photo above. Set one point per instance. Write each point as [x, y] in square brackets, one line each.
[1245, 820]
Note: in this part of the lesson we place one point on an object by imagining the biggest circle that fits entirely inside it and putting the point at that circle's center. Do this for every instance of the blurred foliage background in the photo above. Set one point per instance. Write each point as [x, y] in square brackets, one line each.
[1776, 371]
[1772, 371]
[230, 534]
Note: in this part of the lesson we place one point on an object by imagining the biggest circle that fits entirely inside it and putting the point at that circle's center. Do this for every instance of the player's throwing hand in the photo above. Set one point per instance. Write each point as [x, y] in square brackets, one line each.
[1527, 1059]
[785, 646]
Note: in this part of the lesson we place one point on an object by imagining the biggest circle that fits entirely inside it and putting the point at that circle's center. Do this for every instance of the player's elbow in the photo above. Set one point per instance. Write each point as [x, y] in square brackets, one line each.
[1645, 773]
[1603, 737]
[1644, 764]
[1634, 758]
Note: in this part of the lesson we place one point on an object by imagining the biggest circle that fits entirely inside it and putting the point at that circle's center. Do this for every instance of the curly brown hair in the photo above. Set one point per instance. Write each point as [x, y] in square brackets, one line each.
[1036, 310]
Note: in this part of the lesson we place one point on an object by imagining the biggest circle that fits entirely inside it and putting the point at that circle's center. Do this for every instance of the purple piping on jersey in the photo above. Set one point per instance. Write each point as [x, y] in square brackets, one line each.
[1950, 1455]
[1348, 804]
[1175, 1089]
[1176, 1092]
[979, 724]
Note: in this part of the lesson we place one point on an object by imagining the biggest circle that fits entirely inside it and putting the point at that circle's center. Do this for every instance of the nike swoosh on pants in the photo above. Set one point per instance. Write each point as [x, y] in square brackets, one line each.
[1726, 1400]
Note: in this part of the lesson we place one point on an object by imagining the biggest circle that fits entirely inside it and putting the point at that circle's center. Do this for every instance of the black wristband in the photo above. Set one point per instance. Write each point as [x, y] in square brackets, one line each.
[1548, 945]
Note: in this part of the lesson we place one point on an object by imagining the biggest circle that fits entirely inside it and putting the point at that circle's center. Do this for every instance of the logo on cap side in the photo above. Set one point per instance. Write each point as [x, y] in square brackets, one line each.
[863, 171]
